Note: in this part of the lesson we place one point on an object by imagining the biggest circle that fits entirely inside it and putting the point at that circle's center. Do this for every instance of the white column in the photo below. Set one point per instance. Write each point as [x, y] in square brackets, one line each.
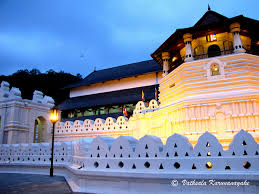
[238, 46]
[188, 47]
[166, 65]
[3, 118]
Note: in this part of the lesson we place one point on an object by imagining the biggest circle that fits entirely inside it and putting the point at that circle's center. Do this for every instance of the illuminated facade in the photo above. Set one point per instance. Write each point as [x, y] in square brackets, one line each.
[213, 84]
[209, 83]
[194, 100]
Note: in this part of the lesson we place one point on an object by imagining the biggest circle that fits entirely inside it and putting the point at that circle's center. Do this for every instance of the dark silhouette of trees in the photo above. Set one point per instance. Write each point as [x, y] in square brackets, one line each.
[50, 83]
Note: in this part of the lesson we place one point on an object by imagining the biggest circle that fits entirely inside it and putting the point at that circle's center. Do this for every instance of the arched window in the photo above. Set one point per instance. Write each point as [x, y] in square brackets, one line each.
[36, 131]
[214, 50]
[40, 126]
[215, 69]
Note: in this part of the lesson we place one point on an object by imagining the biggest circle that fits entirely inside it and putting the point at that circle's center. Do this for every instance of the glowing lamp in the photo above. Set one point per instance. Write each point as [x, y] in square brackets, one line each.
[174, 59]
[209, 165]
[53, 115]
[53, 118]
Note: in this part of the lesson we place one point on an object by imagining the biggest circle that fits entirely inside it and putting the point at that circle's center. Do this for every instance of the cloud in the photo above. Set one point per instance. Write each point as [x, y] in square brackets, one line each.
[47, 34]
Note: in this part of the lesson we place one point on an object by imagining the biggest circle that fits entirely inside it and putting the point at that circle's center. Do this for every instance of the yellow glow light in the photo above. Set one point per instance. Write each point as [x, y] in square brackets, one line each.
[174, 58]
[53, 115]
[209, 165]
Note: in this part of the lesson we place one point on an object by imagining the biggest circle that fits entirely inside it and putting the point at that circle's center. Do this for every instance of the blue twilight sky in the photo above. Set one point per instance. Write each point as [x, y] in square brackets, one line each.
[78, 35]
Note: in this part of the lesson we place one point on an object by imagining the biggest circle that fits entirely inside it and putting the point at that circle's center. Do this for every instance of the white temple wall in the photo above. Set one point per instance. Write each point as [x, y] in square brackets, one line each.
[115, 85]
[18, 115]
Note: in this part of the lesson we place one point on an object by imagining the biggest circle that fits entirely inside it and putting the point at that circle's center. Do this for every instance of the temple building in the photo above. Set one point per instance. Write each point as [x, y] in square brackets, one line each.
[106, 92]
[209, 82]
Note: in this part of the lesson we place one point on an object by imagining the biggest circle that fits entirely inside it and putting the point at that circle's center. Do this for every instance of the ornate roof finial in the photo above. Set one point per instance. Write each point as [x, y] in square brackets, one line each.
[208, 7]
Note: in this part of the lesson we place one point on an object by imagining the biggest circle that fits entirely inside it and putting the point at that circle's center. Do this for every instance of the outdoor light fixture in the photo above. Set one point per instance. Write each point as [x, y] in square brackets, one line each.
[174, 59]
[53, 118]
[53, 115]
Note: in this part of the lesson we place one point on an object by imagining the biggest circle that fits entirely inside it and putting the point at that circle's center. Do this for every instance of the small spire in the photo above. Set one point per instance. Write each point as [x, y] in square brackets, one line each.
[208, 7]
[94, 68]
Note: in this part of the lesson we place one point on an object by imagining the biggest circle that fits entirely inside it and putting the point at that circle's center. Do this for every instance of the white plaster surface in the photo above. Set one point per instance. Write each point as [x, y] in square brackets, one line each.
[17, 115]
[115, 85]
[111, 170]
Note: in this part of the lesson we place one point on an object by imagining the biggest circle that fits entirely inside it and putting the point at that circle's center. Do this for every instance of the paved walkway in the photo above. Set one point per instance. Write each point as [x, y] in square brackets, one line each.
[31, 183]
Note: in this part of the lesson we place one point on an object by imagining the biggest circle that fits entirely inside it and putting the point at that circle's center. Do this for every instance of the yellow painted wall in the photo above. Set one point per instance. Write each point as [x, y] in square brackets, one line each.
[191, 102]
[224, 41]
[198, 102]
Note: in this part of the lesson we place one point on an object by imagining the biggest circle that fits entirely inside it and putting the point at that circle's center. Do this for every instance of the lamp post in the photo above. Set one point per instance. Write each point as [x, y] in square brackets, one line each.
[53, 119]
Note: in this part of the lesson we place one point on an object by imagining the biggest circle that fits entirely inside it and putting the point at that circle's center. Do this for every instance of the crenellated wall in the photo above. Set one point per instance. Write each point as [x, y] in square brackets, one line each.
[20, 118]
[69, 131]
[91, 164]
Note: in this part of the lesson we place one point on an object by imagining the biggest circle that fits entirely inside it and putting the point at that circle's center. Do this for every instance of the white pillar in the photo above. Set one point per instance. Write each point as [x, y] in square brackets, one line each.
[238, 46]
[166, 65]
[2, 125]
[188, 47]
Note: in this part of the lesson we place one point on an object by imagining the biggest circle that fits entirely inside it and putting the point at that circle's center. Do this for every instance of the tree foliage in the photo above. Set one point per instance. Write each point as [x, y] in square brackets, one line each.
[50, 83]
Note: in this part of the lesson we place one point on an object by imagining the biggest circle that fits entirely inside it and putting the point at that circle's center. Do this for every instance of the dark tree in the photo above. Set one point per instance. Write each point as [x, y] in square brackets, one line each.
[50, 83]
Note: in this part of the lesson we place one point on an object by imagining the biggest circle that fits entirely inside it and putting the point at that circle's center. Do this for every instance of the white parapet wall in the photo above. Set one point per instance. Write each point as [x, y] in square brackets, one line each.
[69, 130]
[128, 165]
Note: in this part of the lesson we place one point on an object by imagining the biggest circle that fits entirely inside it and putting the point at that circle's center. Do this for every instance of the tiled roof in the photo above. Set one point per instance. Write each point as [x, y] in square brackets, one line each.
[212, 21]
[119, 72]
[210, 17]
[109, 98]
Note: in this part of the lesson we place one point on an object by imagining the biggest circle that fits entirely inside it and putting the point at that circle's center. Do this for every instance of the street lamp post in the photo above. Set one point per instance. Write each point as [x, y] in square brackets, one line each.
[53, 119]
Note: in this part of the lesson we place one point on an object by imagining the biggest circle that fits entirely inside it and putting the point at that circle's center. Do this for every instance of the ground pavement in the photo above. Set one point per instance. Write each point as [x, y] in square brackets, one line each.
[32, 183]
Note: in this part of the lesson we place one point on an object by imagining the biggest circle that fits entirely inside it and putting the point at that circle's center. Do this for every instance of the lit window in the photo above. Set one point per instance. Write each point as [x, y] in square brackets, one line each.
[215, 69]
[211, 37]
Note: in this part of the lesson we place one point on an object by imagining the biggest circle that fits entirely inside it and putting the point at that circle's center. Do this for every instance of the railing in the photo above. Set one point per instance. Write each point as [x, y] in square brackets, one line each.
[213, 54]
[110, 125]
[225, 52]
[147, 153]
